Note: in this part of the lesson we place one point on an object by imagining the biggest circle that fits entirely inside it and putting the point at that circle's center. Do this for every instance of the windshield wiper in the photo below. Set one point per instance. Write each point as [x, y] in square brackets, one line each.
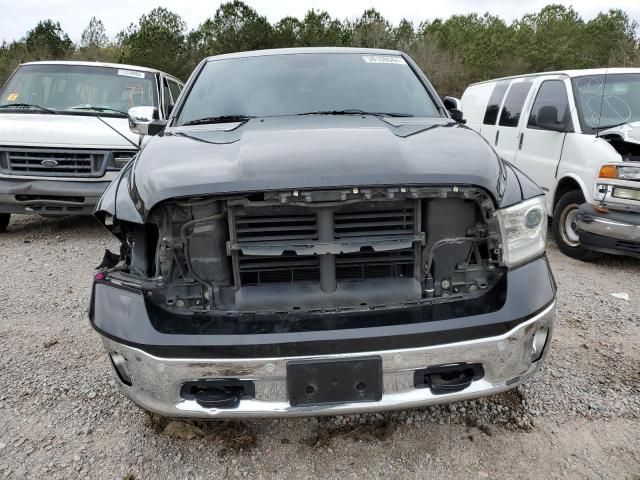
[98, 109]
[94, 111]
[355, 111]
[19, 106]
[220, 119]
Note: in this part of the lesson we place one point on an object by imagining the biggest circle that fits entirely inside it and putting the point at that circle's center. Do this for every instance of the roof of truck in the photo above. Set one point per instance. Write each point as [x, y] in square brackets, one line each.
[294, 51]
[569, 73]
[101, 64]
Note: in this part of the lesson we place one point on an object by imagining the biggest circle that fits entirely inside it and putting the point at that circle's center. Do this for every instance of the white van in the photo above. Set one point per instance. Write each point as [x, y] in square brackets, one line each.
[577, 134]
[64, 132]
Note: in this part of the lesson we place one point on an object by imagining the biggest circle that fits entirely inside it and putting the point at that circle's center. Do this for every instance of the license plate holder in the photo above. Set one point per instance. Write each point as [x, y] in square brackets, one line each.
[321, 382]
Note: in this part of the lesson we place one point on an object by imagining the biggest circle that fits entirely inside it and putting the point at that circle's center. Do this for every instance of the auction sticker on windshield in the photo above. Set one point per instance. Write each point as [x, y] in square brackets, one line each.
[131, 73]
[383, 59]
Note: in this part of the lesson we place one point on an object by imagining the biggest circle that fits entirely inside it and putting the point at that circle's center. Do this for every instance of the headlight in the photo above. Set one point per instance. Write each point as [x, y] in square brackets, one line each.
[524, 230]
[619, 171]
[629, 173]
[119, 159]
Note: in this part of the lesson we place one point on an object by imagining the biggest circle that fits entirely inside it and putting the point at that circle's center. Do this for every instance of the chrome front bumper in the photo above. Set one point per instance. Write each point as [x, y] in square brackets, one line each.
[609, 227]
[506, 359]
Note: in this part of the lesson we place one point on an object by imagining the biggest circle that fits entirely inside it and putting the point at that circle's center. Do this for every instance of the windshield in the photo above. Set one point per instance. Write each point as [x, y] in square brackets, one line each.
[607, 101]
[293, 84]
[75, 87]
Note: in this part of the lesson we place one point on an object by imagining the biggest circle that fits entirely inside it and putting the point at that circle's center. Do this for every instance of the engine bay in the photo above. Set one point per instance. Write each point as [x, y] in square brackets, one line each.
[313, 250]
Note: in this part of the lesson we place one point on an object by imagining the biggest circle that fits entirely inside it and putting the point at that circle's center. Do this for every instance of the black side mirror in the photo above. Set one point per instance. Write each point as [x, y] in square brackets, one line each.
[547, 119]
[453, 106]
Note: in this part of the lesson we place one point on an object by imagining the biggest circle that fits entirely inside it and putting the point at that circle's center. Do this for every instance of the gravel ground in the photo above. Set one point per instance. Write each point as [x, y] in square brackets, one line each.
[61, 417]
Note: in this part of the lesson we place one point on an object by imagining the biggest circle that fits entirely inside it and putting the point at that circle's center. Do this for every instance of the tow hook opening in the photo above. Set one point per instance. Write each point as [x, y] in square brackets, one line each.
[450, 378]
[219, 393]
[120, 366]
[538, 343]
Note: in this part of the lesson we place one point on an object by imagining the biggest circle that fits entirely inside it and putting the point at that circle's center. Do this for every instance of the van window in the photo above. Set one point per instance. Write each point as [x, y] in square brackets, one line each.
[493, 107]
[513, 104]
[604, 101]
[552, 93]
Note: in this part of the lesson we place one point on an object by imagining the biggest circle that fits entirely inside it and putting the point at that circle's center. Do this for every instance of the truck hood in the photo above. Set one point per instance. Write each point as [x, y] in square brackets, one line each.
[285, 153]
[628, 132]
[63, 131]
[312, 152]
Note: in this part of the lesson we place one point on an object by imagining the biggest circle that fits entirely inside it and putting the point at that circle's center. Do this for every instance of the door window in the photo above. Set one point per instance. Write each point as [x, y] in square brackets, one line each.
[166, 95]
[491, 114]
[514, 103]
[552, 93]
[175, 91]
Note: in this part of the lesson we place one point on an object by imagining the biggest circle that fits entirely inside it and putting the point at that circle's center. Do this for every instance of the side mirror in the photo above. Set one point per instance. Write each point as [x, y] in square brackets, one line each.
[454, 106]
[145, 120]
[547, 119]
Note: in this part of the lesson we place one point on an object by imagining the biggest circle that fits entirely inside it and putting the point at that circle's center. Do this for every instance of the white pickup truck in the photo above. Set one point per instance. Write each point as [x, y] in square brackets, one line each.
[64, 132]
[577, 134]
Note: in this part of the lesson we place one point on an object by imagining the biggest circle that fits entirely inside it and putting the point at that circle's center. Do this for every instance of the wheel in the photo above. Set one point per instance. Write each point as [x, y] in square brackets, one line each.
[564, 228]
[4, 221]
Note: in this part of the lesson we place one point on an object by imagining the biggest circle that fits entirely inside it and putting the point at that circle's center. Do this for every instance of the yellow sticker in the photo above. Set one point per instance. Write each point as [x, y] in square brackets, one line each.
[12, 97]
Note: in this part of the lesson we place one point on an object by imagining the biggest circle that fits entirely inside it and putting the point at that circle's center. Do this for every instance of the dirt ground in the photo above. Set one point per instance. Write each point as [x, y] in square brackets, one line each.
[62, 418]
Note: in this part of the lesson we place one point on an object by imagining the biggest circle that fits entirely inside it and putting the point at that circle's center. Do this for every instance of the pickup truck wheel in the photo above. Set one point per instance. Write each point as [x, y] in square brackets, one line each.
[564, 228]
[4, 221]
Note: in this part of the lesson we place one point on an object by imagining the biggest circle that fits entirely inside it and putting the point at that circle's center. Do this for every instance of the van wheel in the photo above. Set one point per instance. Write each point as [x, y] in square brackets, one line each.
[4, 221]
[564, 228]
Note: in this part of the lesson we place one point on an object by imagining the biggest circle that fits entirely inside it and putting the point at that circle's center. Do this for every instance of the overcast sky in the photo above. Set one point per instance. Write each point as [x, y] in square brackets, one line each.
[18, 16]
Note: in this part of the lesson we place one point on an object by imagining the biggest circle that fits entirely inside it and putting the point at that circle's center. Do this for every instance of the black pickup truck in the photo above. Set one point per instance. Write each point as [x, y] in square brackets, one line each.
[314, 232]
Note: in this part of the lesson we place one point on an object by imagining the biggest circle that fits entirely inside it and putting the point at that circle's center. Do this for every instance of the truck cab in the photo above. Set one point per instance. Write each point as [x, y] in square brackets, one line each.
[64, 132]
[561, 129]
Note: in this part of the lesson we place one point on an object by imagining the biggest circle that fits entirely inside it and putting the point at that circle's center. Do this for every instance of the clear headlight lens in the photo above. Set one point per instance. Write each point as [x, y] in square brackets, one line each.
[629, 173]
[524, 230]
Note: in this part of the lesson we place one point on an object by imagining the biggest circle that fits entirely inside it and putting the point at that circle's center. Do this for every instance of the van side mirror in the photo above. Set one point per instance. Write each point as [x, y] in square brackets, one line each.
[547, 119]
[145, 120]
[454, 107]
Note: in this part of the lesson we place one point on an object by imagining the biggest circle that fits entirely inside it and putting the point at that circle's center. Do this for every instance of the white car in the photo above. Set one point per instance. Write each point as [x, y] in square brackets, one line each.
[577, 134]
[64, 132]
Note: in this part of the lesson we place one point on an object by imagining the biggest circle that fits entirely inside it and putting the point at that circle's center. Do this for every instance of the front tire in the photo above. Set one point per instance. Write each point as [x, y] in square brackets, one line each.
[4, 221]
[564, 228]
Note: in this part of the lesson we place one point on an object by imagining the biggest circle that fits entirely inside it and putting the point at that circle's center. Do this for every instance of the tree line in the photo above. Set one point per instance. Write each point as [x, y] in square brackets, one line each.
[452, 52]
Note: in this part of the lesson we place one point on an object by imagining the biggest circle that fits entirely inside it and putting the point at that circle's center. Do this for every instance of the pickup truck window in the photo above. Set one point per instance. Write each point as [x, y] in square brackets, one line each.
[175, 88]
[491, 114]
[68, 87]
[294, 84]
[513, 104]
[606, 101]
[552, 93]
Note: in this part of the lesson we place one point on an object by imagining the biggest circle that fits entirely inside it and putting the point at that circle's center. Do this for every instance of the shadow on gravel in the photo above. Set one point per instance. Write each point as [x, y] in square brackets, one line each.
[35, 224]
[488, 416]
[235, 436]
[377, 431]
[606, 260]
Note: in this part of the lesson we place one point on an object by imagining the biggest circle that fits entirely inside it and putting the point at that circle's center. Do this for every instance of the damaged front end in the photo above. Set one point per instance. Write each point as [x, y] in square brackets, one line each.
[272, 303]
[313, 250]
[612, 223]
